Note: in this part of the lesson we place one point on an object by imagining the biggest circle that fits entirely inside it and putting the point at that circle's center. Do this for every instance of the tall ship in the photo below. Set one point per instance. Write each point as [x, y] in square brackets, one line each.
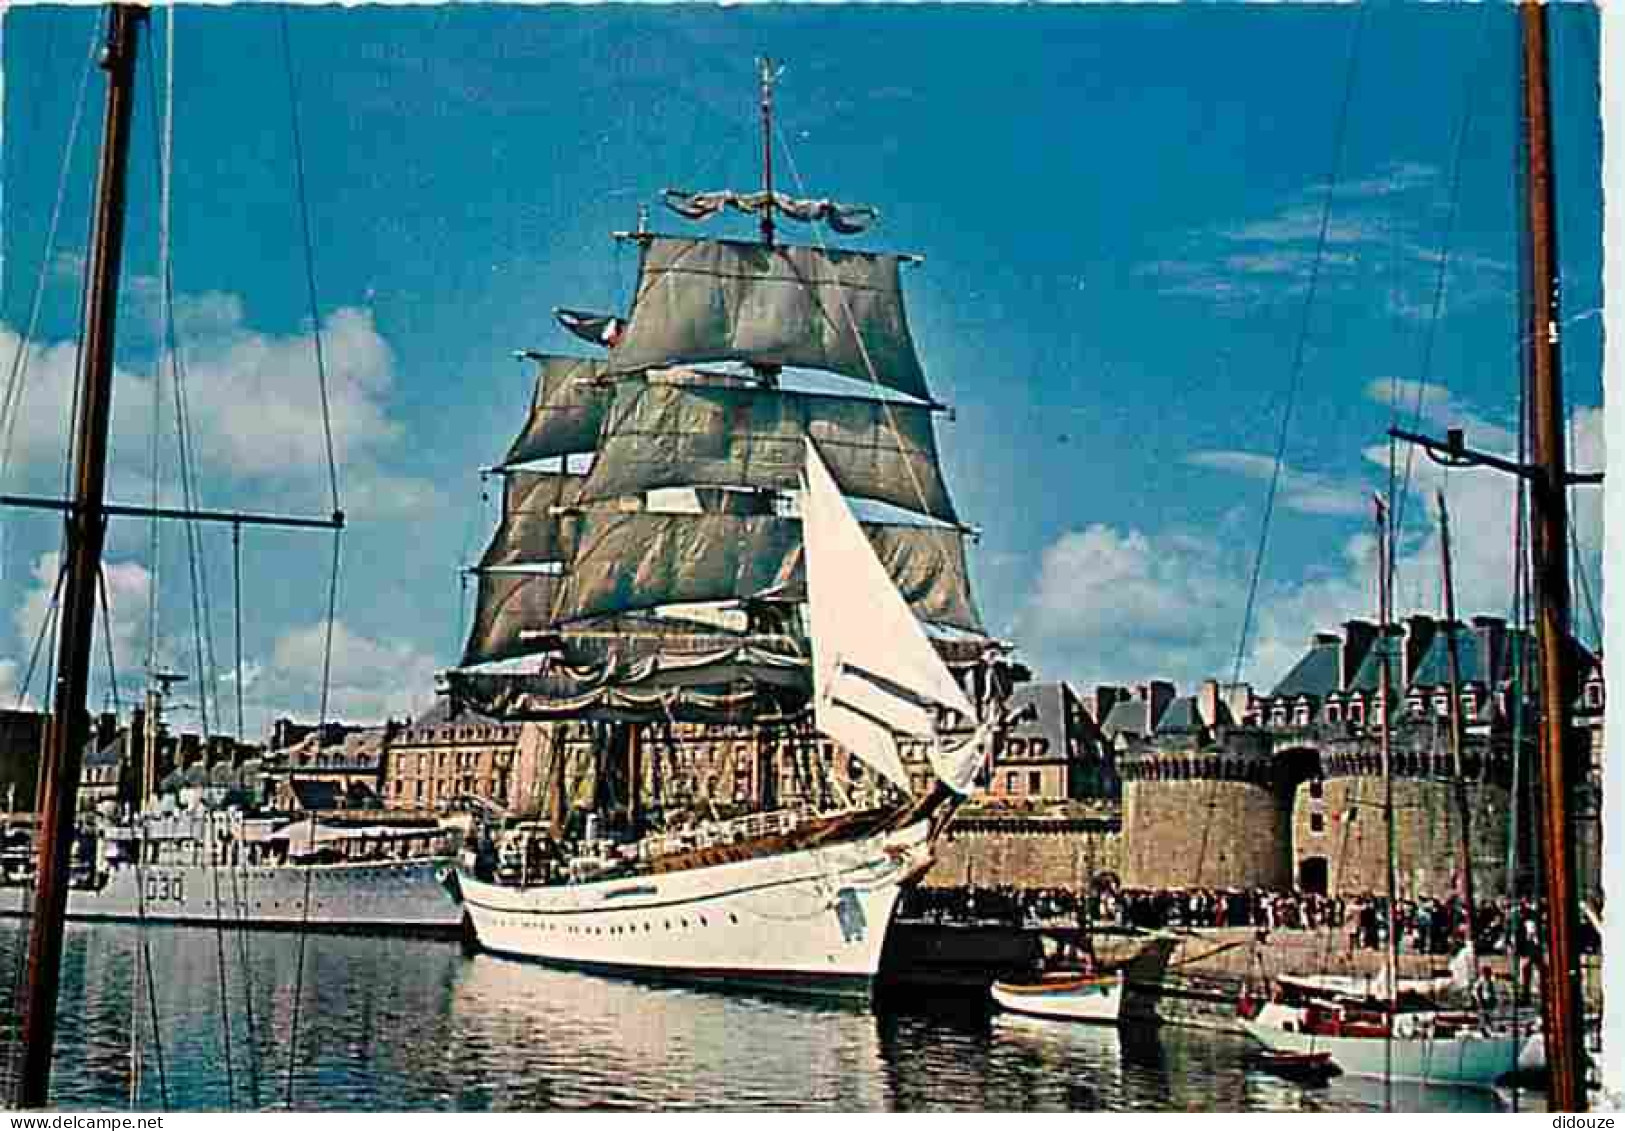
[731, 514]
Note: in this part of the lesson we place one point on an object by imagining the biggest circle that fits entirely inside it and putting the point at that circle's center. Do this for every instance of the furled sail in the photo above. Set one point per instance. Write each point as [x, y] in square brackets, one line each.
[926, 563]
[626, 562]
[847, 219]
[532, 530]
[566, 410]
[875, 673]
[779, 305]
[642, 560]
[659, 434]
[511, 613]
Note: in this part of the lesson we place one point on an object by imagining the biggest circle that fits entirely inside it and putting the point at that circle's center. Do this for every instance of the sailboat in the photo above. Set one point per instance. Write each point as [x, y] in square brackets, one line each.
[690, 554]
[1429, 1045]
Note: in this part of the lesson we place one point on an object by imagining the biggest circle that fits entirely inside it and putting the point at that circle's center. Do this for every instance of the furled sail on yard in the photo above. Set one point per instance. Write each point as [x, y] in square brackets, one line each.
[779, 305]
[875, 674]
[664, 435]
[643, 560]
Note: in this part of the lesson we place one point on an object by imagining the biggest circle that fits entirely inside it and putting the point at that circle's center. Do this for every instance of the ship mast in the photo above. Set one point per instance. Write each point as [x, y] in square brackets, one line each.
[1464, 812]
[1549, 479]
[767, 150]
[83, 525]
[1549, 550]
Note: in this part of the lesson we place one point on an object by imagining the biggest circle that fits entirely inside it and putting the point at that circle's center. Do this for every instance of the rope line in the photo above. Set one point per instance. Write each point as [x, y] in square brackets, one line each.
[1295, 373]
[310, 256]
[16, 382]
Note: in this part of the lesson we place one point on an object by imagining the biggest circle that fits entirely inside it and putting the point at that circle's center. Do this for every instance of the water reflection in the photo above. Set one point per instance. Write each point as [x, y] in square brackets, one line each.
[410, 1024]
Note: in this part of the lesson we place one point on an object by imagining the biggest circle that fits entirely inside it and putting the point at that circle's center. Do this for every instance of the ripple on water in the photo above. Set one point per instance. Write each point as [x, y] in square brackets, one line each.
[400, 1024]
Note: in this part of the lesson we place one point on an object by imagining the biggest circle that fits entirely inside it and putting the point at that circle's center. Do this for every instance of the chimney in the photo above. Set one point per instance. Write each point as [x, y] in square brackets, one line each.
[1159, 693]
[1491, 633]
[1207, 703]
[1105, 698]
[106, 729]
[1239, 698]
[1420, 630]
[1358, 636]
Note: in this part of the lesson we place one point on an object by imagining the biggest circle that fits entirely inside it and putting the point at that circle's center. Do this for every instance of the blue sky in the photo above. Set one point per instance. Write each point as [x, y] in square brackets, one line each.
[1118, 207]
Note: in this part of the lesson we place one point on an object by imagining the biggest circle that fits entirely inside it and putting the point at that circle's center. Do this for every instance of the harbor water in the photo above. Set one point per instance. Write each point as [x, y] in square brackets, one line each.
[413, 1024]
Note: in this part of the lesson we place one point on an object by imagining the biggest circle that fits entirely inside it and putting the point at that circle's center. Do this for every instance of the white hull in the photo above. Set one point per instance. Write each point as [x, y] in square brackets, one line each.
[1096, 1001]
[403, 896]
[1466, 1060]
[813, 919]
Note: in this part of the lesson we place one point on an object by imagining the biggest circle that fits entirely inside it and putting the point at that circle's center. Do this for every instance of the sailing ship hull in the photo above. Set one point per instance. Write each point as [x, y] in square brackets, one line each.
[1077, 998]
[1465, 1060]
[811, 921]
[396, 897]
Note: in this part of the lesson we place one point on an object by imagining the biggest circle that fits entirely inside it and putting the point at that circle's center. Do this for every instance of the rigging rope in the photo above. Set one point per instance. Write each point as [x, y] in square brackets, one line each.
[333, 484]
[1295, 373]
[16, 382]
[1446, 245]
[107, 636]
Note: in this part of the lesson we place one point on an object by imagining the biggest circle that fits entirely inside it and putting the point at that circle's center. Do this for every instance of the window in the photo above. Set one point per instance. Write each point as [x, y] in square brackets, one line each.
[1035, 782]
[1317, 822]
[1334, 713]
[1357, 711]
[1317, 788]
[1010, 782]
[1593, 695]
[1300, 716]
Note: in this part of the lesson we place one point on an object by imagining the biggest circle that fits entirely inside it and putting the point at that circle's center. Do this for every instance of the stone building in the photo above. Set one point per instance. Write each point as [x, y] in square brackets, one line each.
[1057, 753]
[328, 767]
[1294, 794]
[441, 759]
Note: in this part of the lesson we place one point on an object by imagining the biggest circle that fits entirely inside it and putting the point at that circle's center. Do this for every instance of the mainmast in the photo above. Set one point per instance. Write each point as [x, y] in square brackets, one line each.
[1549, 479]
[1549, 552]
[84, 524]
[767, 150]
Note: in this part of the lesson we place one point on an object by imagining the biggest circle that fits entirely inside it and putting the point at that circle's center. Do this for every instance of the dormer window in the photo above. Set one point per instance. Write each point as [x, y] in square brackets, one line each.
[1357, 711]
[1593, 695]
[1334, 713]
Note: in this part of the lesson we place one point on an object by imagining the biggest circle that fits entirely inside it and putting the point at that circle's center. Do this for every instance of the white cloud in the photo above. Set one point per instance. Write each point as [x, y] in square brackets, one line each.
[127, 587]
[253, 404]
[10, 680]
[371, 679]
[1123, 606]
[1305, 491]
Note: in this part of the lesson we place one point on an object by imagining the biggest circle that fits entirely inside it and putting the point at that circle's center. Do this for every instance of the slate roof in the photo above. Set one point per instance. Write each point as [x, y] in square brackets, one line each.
[1129, 716]
[1315, 674]
[1369, 674]
[1180, 717]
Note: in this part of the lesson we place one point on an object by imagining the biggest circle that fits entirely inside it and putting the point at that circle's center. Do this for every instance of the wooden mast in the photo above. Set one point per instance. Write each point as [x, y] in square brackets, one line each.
[767, 150]
[84, 524]
[1549, 553]
[1464, 810]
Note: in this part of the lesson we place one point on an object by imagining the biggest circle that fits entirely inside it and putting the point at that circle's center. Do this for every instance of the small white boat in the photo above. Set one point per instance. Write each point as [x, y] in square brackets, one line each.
[1424, 1048]
[1065, 996]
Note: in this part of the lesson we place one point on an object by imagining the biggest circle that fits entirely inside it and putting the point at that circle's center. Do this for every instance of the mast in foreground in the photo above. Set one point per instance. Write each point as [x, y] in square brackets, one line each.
[85, 522]
[1560, 993]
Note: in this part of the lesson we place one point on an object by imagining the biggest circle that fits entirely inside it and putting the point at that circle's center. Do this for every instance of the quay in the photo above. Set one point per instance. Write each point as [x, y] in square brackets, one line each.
[1205, 974]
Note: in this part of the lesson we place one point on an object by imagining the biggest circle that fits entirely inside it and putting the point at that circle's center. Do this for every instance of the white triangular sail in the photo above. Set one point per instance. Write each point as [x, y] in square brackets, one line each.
[875, 674]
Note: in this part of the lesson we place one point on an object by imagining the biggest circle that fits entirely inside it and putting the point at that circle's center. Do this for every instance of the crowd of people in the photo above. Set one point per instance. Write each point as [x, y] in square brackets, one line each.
[1422, 926]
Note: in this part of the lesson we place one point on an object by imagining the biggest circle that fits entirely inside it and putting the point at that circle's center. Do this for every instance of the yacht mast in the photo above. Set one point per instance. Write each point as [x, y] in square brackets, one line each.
[84, 523]
[1560, 991]
[1457, 737]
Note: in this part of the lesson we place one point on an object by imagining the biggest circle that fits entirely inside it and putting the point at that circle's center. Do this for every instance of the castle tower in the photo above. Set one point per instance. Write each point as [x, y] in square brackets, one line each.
[1339, 831]
[1206, 815]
